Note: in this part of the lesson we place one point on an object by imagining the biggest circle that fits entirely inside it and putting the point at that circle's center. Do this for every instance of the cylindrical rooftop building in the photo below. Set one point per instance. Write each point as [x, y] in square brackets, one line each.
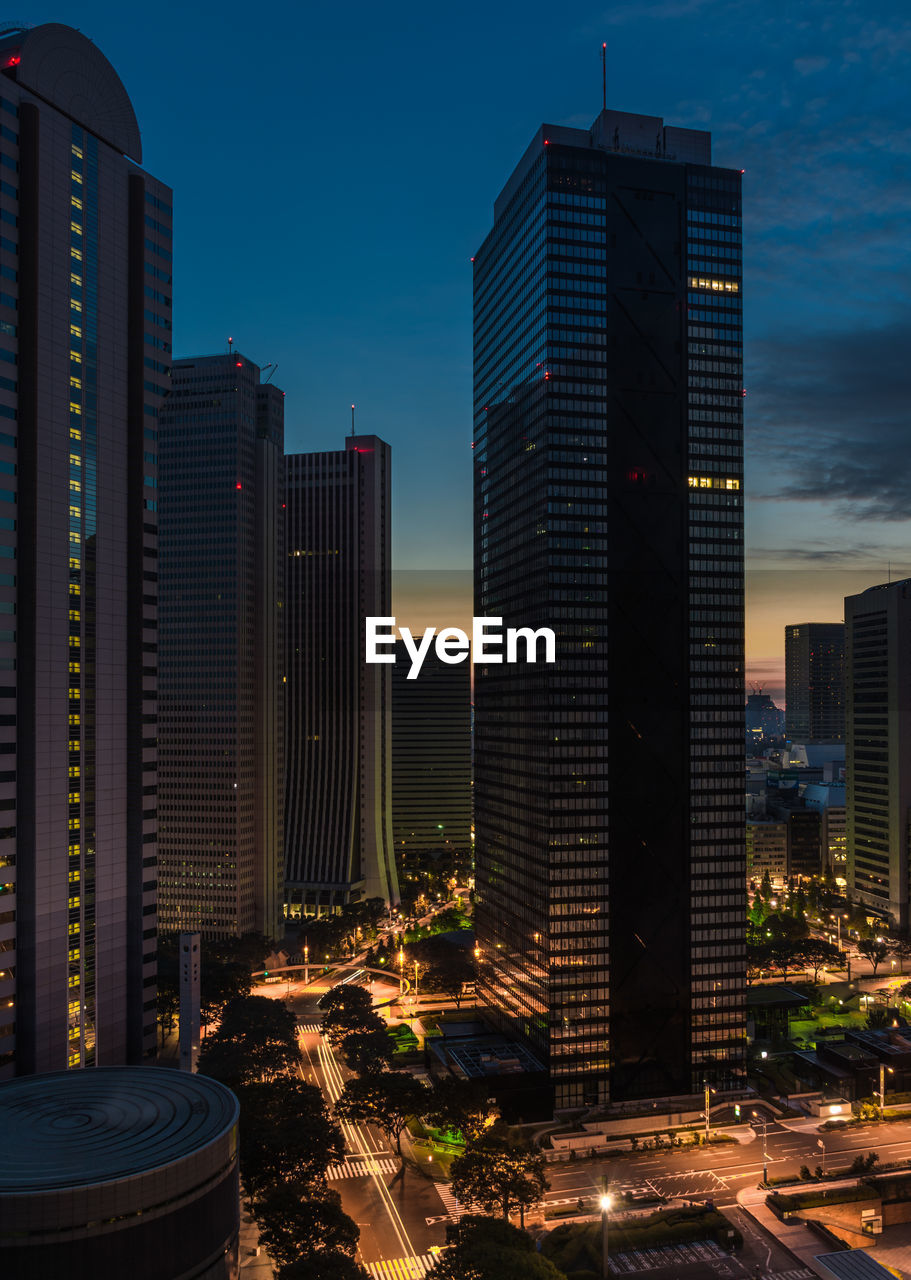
[118, 1172]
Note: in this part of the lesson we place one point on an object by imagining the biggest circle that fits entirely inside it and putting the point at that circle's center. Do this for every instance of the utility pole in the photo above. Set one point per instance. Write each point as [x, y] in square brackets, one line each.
[707, 1092]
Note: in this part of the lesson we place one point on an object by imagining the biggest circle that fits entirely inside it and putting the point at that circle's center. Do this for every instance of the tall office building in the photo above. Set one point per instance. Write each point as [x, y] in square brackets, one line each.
[221, 708]
[85, 305]
[878, 756]
[610, 862]
[338, 809]
[814, 662]
[431, 762]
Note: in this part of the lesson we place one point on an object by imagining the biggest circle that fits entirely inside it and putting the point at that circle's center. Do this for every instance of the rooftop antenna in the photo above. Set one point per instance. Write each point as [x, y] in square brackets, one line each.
[230, 345]
[273, 367]
[352, 420]
[604, 76]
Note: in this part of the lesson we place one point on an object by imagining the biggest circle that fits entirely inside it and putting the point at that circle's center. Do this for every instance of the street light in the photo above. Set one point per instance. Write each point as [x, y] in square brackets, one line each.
[605, 1203]
[765, 1158]
[882, 1089]
[306, 963]
[401, 973]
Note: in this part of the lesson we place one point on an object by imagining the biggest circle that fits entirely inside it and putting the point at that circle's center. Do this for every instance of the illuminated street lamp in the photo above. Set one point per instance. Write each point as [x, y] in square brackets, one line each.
[306, 963]
[882, 1089]
[401, 973]
[417, 968]
[605, 1202]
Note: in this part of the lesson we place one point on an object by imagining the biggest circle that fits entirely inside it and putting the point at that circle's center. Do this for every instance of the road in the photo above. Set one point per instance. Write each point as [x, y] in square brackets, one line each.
[391, 1211]
[401, 1219]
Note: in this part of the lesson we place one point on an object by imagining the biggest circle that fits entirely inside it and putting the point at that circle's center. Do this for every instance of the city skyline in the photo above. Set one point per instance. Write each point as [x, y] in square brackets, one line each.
[806, 102]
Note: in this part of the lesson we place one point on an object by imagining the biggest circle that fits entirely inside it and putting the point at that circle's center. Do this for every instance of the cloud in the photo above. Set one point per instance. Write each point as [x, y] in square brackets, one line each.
[831, 420]
[809, 66]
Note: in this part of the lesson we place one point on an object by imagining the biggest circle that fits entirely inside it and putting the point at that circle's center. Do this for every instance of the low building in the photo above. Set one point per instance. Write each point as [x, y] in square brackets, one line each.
[119, 1172]
[516, 1078]
[767, 849]
[769, 1011]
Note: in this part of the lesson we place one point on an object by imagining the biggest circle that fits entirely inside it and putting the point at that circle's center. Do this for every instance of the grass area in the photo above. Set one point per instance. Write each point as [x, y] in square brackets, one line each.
[577, 1246]
[813, 1199]
[807, 1028]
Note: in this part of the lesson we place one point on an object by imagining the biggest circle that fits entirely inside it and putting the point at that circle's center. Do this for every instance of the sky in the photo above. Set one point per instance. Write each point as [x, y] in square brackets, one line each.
[335, 167]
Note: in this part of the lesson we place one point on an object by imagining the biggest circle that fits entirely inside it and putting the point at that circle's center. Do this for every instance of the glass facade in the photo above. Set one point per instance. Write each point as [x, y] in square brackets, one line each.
[608, 505]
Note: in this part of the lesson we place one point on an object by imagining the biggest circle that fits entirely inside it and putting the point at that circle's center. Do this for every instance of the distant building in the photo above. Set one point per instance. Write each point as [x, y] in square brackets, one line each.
[767, 849]
[85, 347]
[879, 747]
[431, 761]
[763, 719]
[221, 582]
[814, 659]
[338, 807]
[829, 800]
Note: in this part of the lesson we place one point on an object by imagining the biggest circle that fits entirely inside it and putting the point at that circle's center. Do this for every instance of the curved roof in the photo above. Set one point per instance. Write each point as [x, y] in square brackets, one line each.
[63, 67]
[72, 1129]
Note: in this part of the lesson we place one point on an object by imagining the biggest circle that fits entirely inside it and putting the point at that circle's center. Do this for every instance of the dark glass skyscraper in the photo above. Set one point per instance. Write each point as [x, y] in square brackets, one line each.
[608, 505]
[85, 343]
[338, 808]
[814, 664]
[221, 737]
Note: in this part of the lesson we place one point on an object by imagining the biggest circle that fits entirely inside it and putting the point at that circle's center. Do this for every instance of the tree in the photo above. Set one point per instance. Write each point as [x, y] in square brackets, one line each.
[349, 1010]
[758, 960]
[817, 953]
[220, 982]
[293, 1221]
[388, 1099]
[459, 1105]
[328, 1264]
[451, 975]
[874, 951]
[346, 995]
[488, 1249]
[877, 1017]
[765, 887]
[368, 1052]
[901, 949]
[168, 997]
[256, 1040]
[498, 1175]
[286, 1134]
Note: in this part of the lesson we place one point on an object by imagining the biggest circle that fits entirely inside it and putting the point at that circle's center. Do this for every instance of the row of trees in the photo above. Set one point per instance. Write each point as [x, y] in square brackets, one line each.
[288, 1140]
[341, 933]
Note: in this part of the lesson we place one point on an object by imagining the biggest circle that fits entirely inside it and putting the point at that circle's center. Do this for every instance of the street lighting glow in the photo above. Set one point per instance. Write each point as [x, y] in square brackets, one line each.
[605, 1203]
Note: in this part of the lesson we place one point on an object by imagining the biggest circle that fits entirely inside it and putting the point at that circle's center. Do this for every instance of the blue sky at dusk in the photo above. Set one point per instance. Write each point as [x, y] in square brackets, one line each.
[335, 168]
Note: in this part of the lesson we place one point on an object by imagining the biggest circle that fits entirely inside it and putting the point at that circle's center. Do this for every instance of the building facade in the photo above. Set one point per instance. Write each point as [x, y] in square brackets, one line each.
[878, 757]
[608, 505]
[814, 659]
[431, 762]
[221, 734]
[338, 807]
[85, 333]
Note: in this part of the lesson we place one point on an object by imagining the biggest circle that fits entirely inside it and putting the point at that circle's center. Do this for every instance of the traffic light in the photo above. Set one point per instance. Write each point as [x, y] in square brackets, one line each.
[265, 973]
[737, 1110]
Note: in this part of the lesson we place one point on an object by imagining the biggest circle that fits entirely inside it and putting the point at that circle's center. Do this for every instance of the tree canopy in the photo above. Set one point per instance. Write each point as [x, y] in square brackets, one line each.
[388, 1099]
[499, 1175]
[286, 1134]
[294, 1222]
[255, 1040]
[489, 1249]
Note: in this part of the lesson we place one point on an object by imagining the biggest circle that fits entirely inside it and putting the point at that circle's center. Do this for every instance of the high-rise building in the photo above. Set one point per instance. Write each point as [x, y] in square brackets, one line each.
[85, 306]
[431, 762]
[221, 709]
[878, 757]
[610, 862]
[814, 662]
[338, 808]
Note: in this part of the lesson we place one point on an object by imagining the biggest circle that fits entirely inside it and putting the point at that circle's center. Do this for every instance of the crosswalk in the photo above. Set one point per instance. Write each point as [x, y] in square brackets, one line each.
[311, 1028]
[401, 1268]
[671, 1255]
[796, 1273]
[361, 1168]
[450, 1203]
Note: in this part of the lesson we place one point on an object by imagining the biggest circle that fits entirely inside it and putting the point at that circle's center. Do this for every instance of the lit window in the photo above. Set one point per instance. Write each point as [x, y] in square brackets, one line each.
[75, 513]
[75, 331]
[75, 305]
[74, 615]
[75, 486]
[77, 151]
[75, 433]
[75, 461]
[75, 253]
[75, 278]
[76, 176]
[76, 227]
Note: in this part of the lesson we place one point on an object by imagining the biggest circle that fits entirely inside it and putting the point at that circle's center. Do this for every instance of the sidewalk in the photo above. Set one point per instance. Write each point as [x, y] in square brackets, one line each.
[800, 1240]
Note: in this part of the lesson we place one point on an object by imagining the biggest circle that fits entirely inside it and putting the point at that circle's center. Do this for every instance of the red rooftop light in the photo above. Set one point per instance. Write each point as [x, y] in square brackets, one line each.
[13, 60]
[239, 485]
[240, 364]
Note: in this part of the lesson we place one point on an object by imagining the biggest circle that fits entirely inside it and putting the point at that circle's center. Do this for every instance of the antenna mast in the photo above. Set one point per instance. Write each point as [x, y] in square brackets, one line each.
[352, 419]
[604, 76]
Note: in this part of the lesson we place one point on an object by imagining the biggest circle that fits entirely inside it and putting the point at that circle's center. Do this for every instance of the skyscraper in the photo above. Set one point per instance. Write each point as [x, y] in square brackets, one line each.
[338, 811]
[221, 735]
[431, 762]
[85, 306]
[814, 661]
[608, 472]
[878, 756]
